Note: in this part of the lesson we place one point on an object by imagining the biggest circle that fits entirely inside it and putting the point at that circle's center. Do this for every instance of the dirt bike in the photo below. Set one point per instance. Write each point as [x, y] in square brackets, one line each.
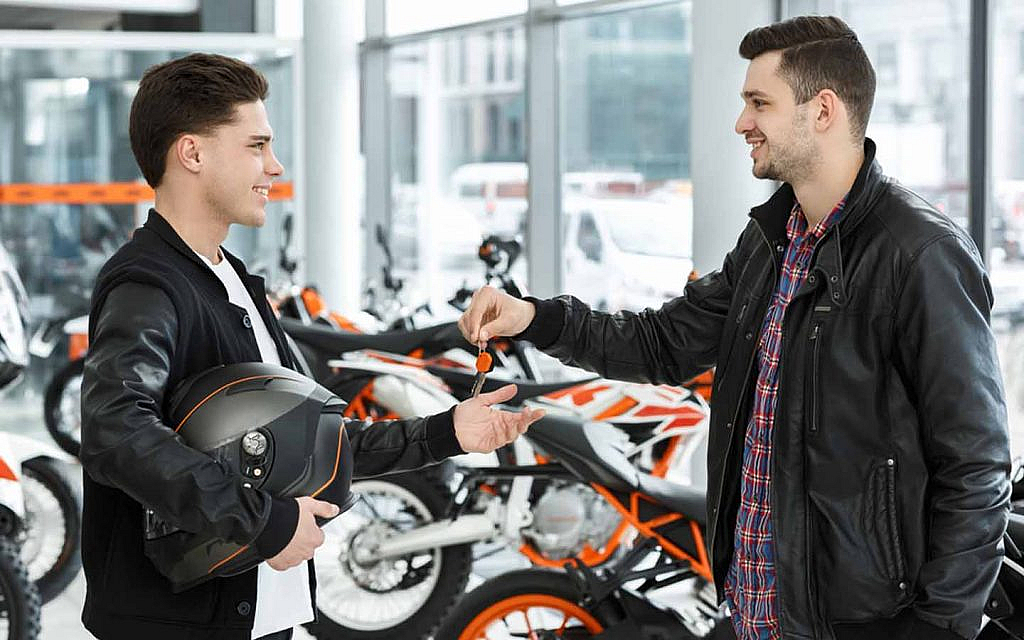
[583, 601]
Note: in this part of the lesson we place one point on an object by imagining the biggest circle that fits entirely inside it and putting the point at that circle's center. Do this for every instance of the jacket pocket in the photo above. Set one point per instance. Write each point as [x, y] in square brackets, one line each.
[884, 522]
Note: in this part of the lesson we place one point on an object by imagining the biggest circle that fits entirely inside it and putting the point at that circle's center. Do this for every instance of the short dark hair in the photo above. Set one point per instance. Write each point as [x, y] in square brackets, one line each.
[193, 94]
[819, 52]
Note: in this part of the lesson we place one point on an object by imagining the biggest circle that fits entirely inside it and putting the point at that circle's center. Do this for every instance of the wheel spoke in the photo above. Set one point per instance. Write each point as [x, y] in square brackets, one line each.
[565, 623]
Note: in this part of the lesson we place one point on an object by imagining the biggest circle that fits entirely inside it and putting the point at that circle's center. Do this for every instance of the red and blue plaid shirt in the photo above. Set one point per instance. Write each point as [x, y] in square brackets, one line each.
[750, 584]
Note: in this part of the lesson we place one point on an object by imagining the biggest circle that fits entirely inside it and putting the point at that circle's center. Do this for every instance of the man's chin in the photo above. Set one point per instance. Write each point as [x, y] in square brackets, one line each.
[255, 218]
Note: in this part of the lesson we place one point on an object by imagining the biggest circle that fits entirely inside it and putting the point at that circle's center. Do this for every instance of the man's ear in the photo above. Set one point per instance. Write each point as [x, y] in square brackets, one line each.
[186, 152]
[828, 109]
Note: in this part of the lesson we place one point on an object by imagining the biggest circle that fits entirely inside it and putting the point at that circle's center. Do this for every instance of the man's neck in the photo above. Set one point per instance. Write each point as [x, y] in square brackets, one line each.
[822, 192]
[199, 228]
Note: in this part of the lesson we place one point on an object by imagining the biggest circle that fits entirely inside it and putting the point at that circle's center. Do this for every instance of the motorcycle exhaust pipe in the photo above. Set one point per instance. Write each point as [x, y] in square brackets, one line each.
[446, 533]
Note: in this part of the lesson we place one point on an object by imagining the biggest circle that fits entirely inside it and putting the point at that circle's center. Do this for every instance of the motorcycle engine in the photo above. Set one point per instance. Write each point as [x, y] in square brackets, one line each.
[567, 517]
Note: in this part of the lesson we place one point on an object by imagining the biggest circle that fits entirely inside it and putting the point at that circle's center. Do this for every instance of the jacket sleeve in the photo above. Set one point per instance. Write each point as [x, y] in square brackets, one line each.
[665, 346]
[391, 446]
[126, 445]
[949, 359]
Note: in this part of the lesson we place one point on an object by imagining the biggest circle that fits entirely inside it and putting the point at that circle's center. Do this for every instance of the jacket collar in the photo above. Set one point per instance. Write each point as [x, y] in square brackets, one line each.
[772, 216]
[159, 225]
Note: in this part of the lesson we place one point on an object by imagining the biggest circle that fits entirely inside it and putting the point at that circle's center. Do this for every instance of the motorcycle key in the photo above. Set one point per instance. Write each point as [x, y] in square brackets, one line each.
[483, 365]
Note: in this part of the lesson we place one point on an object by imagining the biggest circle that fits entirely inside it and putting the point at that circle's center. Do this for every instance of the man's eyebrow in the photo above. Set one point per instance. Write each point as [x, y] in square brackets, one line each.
[746, 95]
[261, 137]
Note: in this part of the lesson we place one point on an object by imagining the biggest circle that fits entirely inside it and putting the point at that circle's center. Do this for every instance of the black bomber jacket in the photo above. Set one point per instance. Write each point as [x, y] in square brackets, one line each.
[890, 488]
[160, 315]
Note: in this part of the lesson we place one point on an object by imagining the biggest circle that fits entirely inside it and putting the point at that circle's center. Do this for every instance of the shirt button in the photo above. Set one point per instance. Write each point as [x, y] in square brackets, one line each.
[728, 425]
[749, 335]
[247, 321]
[834, 279]
[812, 278]
[243, 608]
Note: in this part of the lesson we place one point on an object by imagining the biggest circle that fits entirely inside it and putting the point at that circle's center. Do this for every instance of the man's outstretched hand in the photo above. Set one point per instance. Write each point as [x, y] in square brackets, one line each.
[482, 429]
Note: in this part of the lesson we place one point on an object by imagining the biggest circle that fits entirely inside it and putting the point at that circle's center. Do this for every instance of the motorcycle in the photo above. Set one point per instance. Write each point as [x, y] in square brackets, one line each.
[668, 550]
[39, 508]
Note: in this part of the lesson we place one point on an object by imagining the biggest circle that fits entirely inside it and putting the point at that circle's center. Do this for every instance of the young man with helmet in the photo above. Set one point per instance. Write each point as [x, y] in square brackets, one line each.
[171, 304]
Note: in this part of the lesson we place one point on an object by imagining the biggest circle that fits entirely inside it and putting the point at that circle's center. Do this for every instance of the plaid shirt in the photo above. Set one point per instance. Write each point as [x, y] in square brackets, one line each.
[750, 583]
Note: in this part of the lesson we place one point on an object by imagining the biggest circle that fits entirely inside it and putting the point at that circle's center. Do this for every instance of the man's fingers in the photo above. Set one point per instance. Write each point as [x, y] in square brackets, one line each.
[487, 331]
[324, 509]
[499, 395]
[526, 418]
[475, 314]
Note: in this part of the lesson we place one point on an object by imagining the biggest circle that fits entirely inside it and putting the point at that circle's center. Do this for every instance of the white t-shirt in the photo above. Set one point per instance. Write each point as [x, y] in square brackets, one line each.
[283, 600]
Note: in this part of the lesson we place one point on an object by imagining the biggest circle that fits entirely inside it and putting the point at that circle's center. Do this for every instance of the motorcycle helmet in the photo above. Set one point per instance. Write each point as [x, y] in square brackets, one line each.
[278, 431]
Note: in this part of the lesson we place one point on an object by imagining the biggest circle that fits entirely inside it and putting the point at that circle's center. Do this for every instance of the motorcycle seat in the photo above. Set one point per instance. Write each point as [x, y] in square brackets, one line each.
[676, 497]
[595, 453]
[590, 450]
[335, 342]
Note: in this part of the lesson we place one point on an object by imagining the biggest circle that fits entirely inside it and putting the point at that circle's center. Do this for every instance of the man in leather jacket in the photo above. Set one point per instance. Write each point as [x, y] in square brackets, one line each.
[172, 303]
[858, 455]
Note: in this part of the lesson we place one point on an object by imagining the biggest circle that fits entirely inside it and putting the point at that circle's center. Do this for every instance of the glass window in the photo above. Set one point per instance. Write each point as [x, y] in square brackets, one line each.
[919, 49]
[627, 197]
[64, 119]
[464, 142]
[411, 16]
[1006, 205]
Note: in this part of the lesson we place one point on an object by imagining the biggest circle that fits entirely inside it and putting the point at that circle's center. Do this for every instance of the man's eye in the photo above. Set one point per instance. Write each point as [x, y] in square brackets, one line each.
[758, 104]
[259, 145]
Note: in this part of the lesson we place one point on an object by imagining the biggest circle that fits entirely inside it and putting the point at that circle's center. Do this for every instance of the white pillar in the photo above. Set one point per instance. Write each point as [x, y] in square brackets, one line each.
[333, 164]
[723, 188]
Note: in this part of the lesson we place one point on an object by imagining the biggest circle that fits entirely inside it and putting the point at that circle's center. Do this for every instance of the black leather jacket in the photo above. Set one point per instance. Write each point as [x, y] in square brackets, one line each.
[160, 315]
[891, 456]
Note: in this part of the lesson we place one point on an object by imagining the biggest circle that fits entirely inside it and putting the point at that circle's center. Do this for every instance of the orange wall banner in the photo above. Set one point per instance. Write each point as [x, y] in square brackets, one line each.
[97, 193]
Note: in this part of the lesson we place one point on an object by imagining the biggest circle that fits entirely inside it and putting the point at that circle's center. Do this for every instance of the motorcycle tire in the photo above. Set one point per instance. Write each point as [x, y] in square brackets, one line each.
[451, 573]
[19, 609]
[51, 566]
[57, 422]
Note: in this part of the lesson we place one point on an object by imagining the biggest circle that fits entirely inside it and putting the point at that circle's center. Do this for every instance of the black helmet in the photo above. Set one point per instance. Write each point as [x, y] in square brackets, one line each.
[278, 430]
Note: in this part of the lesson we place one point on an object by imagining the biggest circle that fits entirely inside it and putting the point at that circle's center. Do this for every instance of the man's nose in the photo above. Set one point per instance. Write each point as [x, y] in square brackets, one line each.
[744, 123]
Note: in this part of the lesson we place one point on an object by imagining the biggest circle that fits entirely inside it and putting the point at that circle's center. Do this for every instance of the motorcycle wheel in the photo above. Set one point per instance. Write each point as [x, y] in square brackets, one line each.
[51, 537]
[62, 406]
[405, 598]
[530, 603]
[19, 599]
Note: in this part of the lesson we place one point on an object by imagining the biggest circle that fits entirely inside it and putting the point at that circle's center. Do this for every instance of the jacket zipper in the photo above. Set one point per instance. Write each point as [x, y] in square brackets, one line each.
[893, 522]
[815, 357]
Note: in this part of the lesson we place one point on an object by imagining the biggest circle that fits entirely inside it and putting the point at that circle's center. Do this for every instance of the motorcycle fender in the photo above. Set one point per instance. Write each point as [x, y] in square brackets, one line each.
[11, 495]
[407, 398]
[21, 448]
[77, 326]
[476, 460]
